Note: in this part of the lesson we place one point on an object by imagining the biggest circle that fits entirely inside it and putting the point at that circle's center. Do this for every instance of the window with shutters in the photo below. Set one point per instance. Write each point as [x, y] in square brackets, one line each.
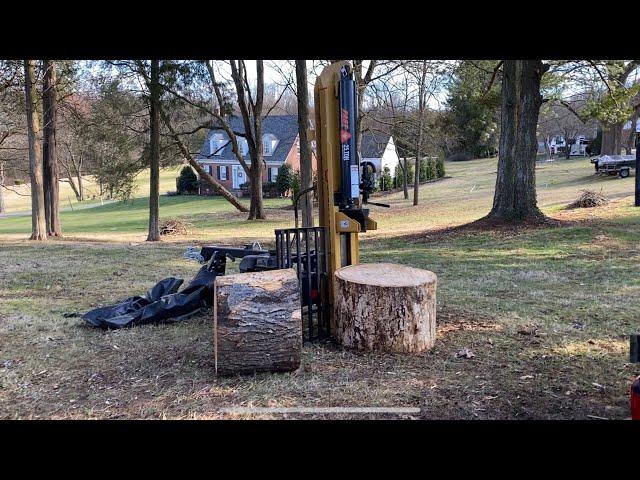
[273, 174]
[222, 172]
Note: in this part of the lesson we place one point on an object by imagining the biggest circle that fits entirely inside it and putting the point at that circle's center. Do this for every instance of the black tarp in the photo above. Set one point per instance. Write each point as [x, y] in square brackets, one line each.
[162, 303]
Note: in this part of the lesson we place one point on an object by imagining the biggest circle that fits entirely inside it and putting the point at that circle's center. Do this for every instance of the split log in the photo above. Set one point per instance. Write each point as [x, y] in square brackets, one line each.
[385, 307]
[257, 324]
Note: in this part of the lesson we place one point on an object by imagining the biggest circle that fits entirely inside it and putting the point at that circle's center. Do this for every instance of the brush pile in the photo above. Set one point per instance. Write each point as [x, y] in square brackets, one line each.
[589, 199]
[174, 226]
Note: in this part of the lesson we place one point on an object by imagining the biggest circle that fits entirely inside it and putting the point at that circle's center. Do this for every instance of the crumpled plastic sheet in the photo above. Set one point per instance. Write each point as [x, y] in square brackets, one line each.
[163, 303]
[604, 159]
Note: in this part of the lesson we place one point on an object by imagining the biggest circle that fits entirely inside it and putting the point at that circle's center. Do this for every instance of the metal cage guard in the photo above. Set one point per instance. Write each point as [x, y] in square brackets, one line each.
[304, 249]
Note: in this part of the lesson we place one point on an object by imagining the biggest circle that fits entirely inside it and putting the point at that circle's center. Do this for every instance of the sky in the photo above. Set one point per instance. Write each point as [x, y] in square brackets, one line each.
[276, 70]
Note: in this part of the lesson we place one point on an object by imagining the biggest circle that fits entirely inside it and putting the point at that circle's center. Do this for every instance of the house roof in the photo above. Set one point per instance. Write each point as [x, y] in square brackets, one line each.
[283, 127]
[373, 145]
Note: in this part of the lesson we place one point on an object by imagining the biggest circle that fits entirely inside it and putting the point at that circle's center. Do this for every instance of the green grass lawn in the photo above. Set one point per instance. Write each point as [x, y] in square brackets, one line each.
[464, 197]
[18, 199]
[546, 311]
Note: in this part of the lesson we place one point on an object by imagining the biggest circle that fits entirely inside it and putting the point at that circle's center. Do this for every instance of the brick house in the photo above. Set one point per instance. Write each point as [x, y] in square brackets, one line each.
[281, 145]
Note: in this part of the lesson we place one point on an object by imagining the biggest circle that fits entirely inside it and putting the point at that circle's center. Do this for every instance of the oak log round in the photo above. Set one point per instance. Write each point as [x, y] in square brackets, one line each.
[257, 324]
[385, 307]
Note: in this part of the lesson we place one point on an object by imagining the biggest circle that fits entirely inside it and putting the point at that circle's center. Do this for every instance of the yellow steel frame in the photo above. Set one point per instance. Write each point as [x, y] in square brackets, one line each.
[341, 250]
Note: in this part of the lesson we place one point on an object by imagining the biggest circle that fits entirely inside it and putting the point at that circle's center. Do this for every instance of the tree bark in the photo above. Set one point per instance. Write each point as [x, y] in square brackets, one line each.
[405, 186]
[49, 150]
[416, 179]
[3, 207]
[154, 152]
[421, 108]
[306, 167]
[38, 221]
[361, 85]
[515, 193]
[80, 183]
[256, 205]
[257, 323]
[612, 139]
[630, 142]
[251, 111]
[385, 307]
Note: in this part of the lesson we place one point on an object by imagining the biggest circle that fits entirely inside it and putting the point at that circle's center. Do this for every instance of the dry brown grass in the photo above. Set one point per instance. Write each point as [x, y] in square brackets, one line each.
[547, 335]
[545, 312]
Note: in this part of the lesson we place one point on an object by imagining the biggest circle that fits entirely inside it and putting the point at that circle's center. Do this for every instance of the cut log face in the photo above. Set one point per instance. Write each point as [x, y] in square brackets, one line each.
[257, 324]
[385, 307]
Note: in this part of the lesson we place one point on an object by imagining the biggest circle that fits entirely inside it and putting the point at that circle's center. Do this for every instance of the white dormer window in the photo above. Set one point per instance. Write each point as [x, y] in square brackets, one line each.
[243, 146]
[217, 142]
[269, 142]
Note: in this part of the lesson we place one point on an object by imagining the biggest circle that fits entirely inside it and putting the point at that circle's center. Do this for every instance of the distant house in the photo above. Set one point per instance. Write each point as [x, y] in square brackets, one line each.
[281, 145]
[378, 151]
[557, 144]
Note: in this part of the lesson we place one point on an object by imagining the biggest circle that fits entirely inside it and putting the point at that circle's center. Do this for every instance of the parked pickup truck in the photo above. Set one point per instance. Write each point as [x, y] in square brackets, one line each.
[620, 165]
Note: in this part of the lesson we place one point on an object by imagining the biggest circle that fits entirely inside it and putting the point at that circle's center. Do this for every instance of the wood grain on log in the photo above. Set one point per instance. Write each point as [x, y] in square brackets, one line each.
[257, 324]
[385, 307]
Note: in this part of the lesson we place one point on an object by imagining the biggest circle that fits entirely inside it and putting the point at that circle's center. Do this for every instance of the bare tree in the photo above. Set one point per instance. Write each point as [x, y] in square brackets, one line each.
[38, 221]
[49, 150]
[306, 167]
[72, 139]
[11, 118]
[252, 116]
[154, 151]
[422, 77]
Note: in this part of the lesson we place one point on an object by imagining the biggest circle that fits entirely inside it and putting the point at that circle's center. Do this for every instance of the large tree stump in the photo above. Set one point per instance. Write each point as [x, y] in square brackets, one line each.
[385, 307]
[257, 324]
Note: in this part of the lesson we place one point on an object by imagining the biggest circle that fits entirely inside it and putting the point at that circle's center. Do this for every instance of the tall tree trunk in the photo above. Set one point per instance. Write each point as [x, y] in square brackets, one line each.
[515, 193]
[3, 207]
[154, 152]
[80, 184]
[612, 139]
[38, 221]
[421, 109]
[416, 185]
[631, 139]
[306, 168]
[251, 110]
[405, 180]
[49, 151]
[256, 206]
[361, 84]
